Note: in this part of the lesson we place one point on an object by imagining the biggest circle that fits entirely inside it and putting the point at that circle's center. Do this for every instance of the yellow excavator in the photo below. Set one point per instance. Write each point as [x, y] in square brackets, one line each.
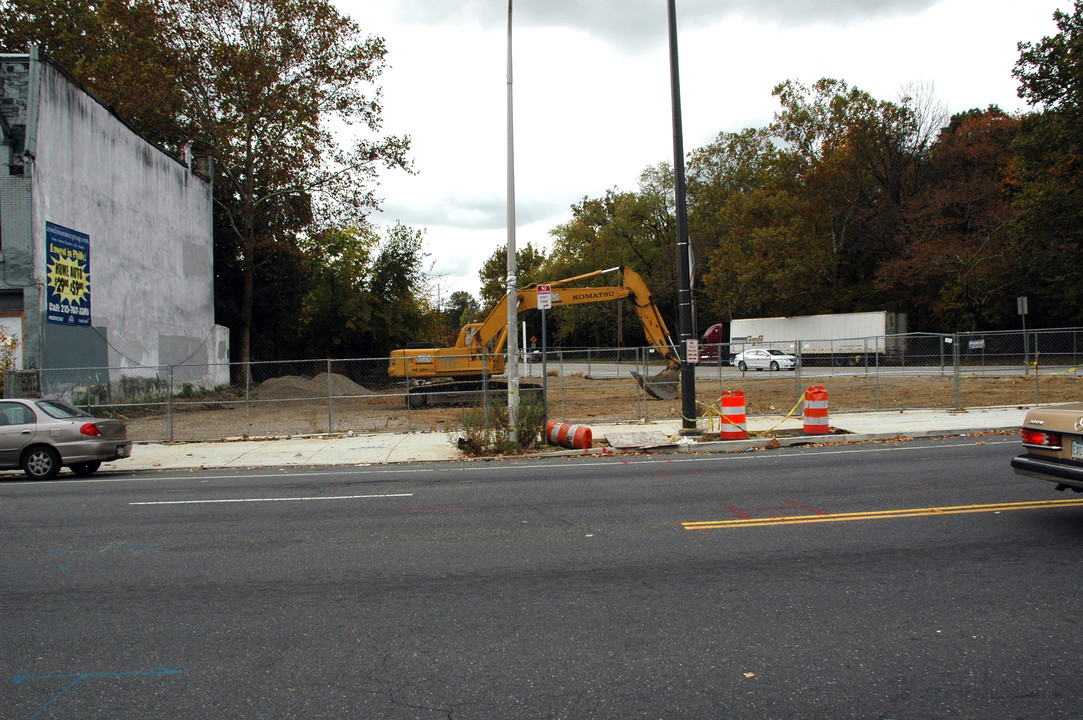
[445, 374]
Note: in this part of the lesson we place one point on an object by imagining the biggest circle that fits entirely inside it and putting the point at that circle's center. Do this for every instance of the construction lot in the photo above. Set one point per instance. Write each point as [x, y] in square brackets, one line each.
[292, 406]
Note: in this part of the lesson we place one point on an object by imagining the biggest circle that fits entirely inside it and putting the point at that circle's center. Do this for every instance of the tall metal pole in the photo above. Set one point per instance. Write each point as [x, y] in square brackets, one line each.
[513, 309]
[684, 265]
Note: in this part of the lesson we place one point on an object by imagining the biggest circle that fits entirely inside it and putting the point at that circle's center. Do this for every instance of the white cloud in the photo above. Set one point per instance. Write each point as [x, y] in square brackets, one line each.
[592, 95]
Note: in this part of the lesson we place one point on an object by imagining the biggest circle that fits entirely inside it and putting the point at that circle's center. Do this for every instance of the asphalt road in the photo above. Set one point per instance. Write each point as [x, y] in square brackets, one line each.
[911, 580]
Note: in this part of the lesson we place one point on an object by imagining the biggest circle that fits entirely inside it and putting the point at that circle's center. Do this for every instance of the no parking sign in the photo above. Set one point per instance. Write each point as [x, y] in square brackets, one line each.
[545, 297]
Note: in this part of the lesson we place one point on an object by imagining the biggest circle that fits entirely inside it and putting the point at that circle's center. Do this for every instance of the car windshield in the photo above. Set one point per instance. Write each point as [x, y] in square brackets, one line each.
[60, 410]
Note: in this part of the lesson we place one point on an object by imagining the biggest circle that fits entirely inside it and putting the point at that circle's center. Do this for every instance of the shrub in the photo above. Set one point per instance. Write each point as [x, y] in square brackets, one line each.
[486, 431]
[8, 346]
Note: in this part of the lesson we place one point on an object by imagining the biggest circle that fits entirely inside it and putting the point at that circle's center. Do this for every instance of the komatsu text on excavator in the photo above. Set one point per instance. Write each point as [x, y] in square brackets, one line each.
[443, 375]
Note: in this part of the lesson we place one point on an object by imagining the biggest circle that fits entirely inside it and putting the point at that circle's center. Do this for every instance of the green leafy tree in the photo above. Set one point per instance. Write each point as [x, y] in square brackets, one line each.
[620, 229]
[398, 293]
[337, 312]
[462, 308]
[859, 159]
[256, 85]
[529, 262]
[366, 292]
[755, 221]
[797, 217]
[494, 272]
[1048, 204]
[263, 82]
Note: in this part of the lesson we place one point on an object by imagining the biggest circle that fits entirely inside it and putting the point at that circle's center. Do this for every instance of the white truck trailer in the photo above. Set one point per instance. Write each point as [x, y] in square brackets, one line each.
[839, 339]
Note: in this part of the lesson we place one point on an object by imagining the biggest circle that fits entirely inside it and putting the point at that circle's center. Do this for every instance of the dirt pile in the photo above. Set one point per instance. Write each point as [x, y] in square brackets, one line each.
[294, 387]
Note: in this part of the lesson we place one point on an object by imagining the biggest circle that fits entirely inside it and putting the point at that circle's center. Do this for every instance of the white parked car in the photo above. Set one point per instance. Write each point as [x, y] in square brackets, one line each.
[764, 359]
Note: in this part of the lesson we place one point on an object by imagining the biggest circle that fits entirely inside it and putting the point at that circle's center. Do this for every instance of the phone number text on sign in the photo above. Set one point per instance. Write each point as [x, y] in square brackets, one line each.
[68, 271]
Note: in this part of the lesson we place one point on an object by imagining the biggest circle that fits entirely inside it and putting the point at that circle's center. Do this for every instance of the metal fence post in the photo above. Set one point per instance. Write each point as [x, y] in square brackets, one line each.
[563, 409]
[248, 398]
[169, 407]
[484, 387]
[330, 401]
[958, 374]
[877, 365]
[642, 393]
[1037, 376]
[406, 395]
[797, 371]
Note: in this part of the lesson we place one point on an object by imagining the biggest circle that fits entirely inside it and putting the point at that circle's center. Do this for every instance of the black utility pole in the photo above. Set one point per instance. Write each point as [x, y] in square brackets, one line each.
[684, 265]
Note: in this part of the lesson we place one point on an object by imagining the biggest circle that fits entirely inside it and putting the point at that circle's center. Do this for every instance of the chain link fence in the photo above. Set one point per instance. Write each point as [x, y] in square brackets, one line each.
[180, 403]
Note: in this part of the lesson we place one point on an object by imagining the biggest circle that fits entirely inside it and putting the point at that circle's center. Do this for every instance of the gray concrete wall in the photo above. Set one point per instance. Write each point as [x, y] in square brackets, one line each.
[16, 258]
[149, 222]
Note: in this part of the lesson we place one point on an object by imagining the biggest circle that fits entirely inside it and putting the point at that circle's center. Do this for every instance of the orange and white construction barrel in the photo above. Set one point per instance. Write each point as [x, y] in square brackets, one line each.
[815, 422]
[569, 436]
[734, 422]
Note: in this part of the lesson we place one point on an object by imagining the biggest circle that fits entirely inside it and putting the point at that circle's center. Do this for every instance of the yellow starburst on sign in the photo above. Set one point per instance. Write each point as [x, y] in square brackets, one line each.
[68, 278]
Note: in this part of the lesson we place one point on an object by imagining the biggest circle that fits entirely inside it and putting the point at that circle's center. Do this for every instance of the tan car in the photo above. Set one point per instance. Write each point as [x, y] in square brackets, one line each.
[1053, 439]
[41, 436]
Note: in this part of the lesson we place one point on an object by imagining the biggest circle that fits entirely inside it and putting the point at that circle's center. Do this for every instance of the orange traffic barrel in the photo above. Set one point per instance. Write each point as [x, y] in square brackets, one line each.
[815, 411]
[734, 422]
[569, 436]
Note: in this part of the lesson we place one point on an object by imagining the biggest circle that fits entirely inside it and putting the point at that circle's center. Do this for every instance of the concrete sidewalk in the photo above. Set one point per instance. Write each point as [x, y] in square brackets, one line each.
[382, 448]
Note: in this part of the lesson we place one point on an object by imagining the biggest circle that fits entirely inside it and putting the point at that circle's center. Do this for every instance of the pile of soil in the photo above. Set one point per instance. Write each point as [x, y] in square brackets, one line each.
[342, 386]
[291, 387]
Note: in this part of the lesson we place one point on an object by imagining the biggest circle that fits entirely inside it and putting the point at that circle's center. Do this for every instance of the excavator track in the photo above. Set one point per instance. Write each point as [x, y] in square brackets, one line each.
[464, 393]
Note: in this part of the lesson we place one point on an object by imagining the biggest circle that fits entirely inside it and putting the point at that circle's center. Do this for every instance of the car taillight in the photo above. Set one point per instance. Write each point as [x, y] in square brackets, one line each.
[1041, 438]
[90, 429]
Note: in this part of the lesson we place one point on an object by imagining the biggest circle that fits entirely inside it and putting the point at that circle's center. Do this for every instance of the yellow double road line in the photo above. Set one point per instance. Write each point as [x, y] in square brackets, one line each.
[877, 515]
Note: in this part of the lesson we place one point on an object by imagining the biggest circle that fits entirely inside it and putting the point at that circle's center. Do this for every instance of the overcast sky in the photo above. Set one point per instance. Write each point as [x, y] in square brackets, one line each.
[592, 92]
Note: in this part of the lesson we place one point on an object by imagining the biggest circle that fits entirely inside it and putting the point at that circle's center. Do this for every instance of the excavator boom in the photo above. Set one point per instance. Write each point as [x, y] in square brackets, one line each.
[479, 348]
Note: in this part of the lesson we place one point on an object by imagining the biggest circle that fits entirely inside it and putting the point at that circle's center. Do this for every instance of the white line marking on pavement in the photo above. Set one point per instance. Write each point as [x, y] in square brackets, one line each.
[285, 499]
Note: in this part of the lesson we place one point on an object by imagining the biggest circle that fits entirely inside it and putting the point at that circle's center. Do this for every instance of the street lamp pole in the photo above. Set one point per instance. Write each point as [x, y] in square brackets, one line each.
[513, 309]
[684, 264]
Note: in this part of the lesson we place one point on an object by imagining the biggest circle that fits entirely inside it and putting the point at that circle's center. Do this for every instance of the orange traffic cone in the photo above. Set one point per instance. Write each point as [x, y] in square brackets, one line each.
[569, 436]
[815, 411]
[734, 422]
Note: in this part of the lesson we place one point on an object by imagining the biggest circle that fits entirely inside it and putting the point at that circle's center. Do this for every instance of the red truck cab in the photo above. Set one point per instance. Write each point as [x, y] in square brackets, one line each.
[714, 346]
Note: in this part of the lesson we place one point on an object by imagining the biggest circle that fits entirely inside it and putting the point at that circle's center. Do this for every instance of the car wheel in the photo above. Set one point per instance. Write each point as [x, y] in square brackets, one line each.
[774, 366]
[41, 463]
[742, 366]
[86, 468]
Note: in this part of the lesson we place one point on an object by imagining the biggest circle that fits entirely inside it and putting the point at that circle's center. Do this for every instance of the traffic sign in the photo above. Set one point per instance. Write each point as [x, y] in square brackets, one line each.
[545, 297]
[693, 350]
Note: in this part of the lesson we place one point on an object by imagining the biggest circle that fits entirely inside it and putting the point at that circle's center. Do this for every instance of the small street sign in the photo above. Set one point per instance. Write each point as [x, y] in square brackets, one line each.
[545, 297]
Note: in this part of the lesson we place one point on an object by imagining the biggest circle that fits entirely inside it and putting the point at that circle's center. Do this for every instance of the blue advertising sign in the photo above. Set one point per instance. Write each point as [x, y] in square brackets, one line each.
[67, 257]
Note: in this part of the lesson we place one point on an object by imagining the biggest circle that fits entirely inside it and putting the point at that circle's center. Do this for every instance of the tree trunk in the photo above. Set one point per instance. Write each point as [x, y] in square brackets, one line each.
[247, 284]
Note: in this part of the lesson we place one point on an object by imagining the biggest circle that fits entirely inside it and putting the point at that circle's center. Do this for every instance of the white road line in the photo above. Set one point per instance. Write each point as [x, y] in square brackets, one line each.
[285, 499]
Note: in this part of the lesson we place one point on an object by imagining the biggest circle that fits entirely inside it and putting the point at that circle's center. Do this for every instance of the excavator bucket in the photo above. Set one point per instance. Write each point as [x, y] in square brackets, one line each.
[662, 386]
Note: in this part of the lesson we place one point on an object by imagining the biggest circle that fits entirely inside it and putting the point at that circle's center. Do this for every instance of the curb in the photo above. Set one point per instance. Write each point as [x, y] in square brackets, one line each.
[734, 446]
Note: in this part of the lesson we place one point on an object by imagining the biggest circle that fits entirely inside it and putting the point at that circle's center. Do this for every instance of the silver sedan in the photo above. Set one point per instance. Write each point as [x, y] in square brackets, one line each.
[764, 359]
[42, 436]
